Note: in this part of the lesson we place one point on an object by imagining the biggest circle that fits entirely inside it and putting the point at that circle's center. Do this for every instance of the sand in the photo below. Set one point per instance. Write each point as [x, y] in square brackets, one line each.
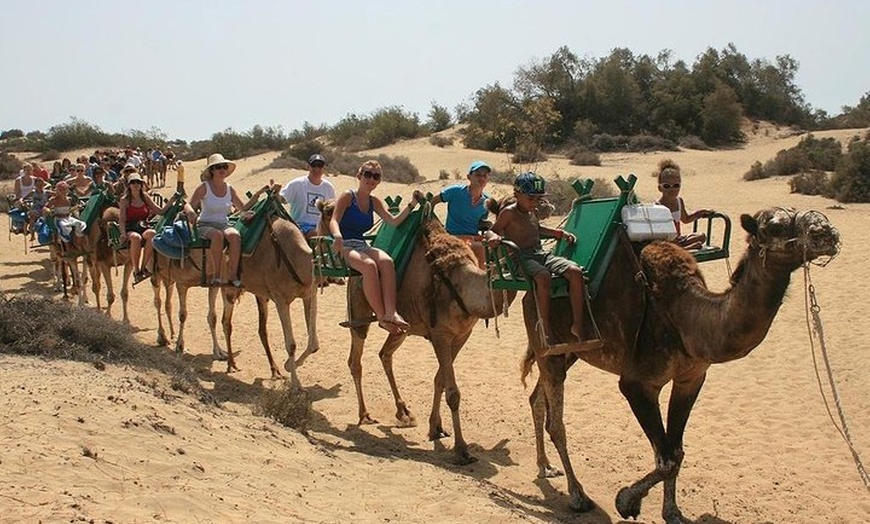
[119, 445]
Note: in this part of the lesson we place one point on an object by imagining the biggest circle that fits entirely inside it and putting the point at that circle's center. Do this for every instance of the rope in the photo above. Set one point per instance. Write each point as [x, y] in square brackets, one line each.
[492, 300]
[814, 327]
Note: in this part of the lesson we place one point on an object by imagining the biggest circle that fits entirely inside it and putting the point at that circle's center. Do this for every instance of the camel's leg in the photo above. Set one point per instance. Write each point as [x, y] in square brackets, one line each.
[445, 380]
[227, 324]
[552, 380]
[403, 413]
[538, 402]
[309, 304]
[262, 318]
[668, 446]
[96, 274]
[167, 307]
[283, 309]
[216, 351]
[125, 292]
[354, 362]
[181, 289]
[158, 306]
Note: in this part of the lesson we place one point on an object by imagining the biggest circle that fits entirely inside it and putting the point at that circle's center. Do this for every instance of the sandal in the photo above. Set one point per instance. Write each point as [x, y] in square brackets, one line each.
[138, 277]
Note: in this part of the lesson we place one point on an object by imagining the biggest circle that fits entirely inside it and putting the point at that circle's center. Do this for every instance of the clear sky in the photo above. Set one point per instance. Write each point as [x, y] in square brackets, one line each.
[191, 68]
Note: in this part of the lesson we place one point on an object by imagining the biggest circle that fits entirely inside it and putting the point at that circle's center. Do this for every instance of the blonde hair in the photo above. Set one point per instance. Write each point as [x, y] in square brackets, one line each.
[369, 165]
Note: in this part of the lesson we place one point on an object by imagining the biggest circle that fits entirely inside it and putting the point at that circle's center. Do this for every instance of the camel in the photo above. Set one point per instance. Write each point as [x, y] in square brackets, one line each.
[442, 296]
[279, 269]
[105, 258]
[672, 330]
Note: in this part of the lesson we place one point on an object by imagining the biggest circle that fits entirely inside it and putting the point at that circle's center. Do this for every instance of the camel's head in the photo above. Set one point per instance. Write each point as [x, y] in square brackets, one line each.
[326, 208]
[787, 231]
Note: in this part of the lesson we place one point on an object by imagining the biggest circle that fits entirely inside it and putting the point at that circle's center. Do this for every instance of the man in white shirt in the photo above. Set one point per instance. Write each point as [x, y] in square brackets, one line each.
[303, 193]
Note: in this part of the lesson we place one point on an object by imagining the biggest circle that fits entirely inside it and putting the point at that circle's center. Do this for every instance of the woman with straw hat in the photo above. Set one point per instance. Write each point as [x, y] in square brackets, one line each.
[215, 199]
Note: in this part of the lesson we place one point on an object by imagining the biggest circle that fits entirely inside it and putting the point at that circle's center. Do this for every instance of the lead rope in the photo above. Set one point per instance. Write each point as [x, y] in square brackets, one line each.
[814, 327]
[492, 300]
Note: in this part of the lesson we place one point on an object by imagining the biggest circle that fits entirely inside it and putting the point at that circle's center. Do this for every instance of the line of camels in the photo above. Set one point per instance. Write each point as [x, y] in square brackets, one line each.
[659, 323]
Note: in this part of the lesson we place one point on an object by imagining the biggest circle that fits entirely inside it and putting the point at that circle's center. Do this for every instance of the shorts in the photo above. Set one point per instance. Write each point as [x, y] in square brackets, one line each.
[355, 244]
[137, 227]
[205, 227]
[307, 228]
[537, 261]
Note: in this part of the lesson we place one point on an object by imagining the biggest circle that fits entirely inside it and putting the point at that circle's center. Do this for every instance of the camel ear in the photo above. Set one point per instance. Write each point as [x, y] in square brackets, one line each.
[749, 224]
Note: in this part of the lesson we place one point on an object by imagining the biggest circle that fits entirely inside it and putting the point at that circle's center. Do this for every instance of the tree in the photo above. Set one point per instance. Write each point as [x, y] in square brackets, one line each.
[721, 116]
[439, 118]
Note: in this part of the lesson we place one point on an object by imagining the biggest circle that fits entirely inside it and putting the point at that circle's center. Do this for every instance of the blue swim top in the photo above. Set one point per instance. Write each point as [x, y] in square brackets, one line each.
[355, 223]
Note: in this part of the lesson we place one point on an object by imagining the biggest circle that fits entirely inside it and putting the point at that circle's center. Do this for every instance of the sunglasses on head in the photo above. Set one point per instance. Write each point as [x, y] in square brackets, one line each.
[219, 166]
[317, 164]
[669, 186]
[372, 174]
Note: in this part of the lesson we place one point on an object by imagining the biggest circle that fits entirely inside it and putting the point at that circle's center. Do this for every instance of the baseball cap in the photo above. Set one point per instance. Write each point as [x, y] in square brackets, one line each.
[530, 183]
[316, 158]
[478, 164]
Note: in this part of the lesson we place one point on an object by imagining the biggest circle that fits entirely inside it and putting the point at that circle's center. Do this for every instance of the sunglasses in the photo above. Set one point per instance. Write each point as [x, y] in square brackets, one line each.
[372, 174]
[317, 164]
[219, 166]
[669, 186]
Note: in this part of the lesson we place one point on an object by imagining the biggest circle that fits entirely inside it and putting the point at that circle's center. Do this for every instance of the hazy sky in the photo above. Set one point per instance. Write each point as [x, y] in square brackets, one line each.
[192, 68]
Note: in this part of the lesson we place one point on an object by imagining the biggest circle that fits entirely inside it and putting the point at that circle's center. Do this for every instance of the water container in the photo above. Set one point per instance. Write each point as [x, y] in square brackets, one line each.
[649, 222]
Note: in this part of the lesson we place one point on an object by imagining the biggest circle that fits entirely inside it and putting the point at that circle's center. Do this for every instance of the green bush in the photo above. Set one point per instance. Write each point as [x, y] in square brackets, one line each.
[851, 180]
[391, 124]
[823, 154]
[812, 183]
[440, 141]
[439, 118]
[11, 133]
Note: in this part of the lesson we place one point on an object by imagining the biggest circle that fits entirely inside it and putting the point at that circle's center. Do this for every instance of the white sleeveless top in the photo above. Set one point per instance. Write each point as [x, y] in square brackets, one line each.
[25, 189]
[215, 209]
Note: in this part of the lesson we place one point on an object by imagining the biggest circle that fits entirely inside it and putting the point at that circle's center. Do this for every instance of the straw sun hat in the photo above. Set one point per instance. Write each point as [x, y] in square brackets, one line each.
[214, 159]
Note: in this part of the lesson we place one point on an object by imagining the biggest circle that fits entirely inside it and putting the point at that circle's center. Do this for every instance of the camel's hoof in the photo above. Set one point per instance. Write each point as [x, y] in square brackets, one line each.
[581, 503]
[438, 434]
[464, 458]
[220, 355]
[628, 503]
[549, 472]
[289, 365]
[367, 420]
[406, 421]
[232, 368]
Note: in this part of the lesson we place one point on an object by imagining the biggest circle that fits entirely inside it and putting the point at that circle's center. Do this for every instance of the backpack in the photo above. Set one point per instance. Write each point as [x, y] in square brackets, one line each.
[174, 240]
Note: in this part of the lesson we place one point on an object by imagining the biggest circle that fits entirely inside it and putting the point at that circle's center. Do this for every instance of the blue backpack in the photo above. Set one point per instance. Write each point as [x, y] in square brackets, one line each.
[174, 240]
[43, 232]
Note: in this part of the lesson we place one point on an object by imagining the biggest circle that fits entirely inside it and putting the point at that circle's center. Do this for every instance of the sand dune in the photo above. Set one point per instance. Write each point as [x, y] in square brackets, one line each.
[760, 447]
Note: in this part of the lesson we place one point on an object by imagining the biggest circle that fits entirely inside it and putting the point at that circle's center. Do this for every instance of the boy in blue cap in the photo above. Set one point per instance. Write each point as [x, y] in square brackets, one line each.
[519, 224]
[466, 207]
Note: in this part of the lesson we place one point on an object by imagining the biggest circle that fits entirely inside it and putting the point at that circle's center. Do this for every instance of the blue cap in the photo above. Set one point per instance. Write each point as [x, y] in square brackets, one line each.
[478, 164]
[530, 183]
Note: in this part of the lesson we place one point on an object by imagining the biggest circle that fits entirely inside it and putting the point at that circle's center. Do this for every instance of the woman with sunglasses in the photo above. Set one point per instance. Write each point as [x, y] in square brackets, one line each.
[352, 218]
[80, 185]
[215, 199]
[135, 207]
[670, 179]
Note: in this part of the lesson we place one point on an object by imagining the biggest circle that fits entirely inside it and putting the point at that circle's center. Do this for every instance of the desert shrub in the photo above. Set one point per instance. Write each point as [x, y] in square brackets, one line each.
[11, 133]
[584, 157]
[391, 124]
[304, 149]
[50, 155]
[583, 131]
[444, 175]
[288, 160]
[74, 135]
[644, 143]
[562, 192]
[9, 166]
[41, 327]
[823, 154]
[440, 141]
[812, 183]
[604, 142]
[756, 172]
[528, 153]
[694, 142]
[286, 404]
[439, 118]
[851, 180]
[349, 127]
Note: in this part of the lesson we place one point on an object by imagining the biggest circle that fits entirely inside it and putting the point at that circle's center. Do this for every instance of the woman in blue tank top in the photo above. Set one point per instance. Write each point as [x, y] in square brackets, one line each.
[353, 217]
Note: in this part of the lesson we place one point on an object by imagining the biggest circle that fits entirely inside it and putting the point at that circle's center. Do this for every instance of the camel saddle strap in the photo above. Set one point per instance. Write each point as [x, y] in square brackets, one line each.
[280, 252]
[450, 288]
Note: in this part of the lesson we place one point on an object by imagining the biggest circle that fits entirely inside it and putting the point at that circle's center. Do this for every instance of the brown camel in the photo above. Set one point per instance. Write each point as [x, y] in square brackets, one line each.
[672, 330]
[104, 258]
[442, 296]
[279, 269]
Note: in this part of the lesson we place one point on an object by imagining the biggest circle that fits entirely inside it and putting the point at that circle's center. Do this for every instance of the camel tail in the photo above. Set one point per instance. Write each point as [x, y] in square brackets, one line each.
[526, 366]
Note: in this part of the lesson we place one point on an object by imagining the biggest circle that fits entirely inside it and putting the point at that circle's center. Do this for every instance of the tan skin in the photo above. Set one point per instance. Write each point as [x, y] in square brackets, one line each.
[477, 180]
[219, 187]
[80, 184]
[669, 185]
[137, 198]
[518, 223]
[61, 199]
[376, 267]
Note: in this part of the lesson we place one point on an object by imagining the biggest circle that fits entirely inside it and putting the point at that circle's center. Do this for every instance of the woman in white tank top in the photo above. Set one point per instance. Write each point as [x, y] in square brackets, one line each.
[215, 199]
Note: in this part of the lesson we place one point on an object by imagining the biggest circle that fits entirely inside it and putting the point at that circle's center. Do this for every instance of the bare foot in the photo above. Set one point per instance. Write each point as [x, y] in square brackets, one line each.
[390, 327]
[396, 319]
